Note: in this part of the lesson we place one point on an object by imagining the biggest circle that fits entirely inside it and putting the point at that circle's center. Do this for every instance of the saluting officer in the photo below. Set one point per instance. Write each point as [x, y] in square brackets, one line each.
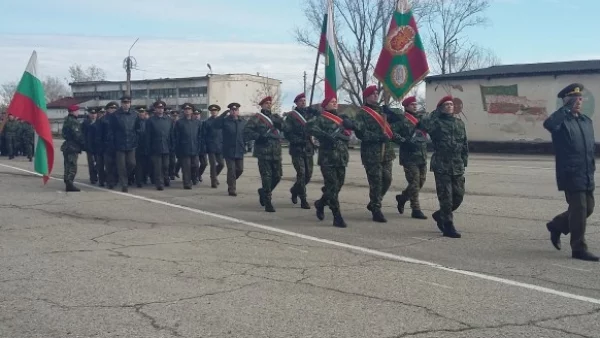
[232, 127]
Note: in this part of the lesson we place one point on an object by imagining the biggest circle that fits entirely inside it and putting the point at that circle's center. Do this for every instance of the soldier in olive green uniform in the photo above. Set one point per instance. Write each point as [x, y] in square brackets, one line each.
[27, 138]
[265, 128]
[413, 156]
[333, 134]
[71, 147]
[302, 150]
[10, 131]
[376, 149]
[448, 162]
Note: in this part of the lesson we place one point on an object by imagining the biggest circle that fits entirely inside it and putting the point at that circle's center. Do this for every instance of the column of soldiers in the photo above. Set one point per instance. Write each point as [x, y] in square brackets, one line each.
[16, 138]
[165, 144]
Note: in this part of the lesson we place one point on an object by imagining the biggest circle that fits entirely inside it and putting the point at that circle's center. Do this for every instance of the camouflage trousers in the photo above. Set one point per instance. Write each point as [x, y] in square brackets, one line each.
[304, 169]
[450, 192]
[28, 149]
[70, 166]
[270, 175]
[415, 177]
[333, 180]
[379, 175]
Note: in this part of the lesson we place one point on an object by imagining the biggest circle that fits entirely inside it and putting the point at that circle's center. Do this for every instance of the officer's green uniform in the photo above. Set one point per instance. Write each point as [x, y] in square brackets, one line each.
[11, 129]
[71, 148]
[27, 138]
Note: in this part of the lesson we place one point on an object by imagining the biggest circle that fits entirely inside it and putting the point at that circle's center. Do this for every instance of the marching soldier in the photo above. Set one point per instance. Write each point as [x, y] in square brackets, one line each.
[10, 131]
[159, 144]
[376, 149]
[123, 126]
[89, 142]
[104, 148]
[71, 147]
[174, 163]
[302, 150]
[214, 145]
[187, 138]
[232, 127]
[413, 156]
[333, 134]
[27, 138]
[448, 162]
[574, 144]
[264, 128]
[143, 165]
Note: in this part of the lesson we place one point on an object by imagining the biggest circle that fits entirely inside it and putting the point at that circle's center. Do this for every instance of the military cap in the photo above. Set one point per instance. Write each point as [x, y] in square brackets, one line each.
[126, 98]
[159, 104]
[141, 109]
[408, 101]
[197, 112]
[187, 106]
[299, 97]
[370, 90]
[266, 99]
[92, 110]
[234, 105]
[111, 104]
[73, 108]
[101, 109]
[174, 112]
[447, 98]
[214, 107]
[574, 89]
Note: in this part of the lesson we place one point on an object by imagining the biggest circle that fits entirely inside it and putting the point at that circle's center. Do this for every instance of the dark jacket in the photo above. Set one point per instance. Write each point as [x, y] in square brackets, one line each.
[187, 137]
[158, 135]
[233, 135]
[142, 148]
[213, 137]
[103, 142]
[574, 143]
[123, 129]
[89, 135]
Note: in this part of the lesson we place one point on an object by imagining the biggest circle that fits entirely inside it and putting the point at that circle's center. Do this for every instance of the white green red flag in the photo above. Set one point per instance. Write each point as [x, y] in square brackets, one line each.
[328, 47]
[29, 104]
[402, 63]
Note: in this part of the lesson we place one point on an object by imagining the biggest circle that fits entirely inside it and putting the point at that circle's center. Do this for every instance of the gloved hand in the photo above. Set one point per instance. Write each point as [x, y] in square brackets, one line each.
[348, 124]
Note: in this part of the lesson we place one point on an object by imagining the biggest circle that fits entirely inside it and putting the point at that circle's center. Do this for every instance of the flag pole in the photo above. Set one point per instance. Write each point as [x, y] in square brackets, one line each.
[312, 89]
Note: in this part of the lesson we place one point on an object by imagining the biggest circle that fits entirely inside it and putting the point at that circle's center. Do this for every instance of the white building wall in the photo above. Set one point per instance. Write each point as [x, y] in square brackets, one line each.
[247, 90]
[513, 109]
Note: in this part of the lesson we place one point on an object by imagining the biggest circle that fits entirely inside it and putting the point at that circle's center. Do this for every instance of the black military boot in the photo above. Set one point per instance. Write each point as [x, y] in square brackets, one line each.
[70, 187]
[338, 220]
[401, 202]
[261, 197]
[320, 210]
[450, 230]
[124, 189]
[378, 216]
[304, 203]
[294, 195]
[269, 206]
[214, 184]
[418, 214]
[584, 255]
[438, 220]
[554, 236]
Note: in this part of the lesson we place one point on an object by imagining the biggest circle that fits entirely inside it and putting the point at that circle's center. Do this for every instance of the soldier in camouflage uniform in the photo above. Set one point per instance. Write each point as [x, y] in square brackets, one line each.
[265, 128]
[333, 134]
[89, 143]
[27, 138]
[448, 162]
[302, 150]
[413, 156]
[376, 149]
[10, 131]
[71, 147]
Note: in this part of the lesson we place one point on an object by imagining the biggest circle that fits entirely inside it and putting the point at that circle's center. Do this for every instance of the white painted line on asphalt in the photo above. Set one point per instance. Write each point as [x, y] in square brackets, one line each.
[421, 239]
[356, 248]
[571, 268]
[435, 284]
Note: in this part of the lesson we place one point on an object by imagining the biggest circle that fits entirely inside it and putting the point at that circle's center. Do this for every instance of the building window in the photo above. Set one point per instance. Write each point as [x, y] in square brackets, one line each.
[139, 94]
[85, 94]
[112, 95]
[193, 92]
[164, 93]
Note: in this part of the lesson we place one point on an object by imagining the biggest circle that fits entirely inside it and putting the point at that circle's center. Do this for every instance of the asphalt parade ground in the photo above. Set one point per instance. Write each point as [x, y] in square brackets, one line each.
[199, 263]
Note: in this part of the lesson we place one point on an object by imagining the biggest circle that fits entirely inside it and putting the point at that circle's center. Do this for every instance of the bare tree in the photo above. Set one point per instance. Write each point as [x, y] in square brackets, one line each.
[55, 88]
[7, 91]
[361, 27]
[91, 73]
[274, 91]
[449, 48]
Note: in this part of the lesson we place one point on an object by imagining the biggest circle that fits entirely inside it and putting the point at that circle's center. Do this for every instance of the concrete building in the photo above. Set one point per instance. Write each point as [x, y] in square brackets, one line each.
[202, 91]
[509, 103]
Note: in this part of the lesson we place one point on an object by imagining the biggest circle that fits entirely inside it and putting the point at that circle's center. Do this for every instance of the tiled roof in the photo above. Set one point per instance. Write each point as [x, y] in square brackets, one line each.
[66, 102]
[520, 70]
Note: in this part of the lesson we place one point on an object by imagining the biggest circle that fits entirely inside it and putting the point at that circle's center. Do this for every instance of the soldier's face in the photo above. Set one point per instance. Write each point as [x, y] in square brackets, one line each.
[267, 105]
[235, 112]
[448, 108]
[301, 103]
[332, 105]
[213, 112]
[111, 110]
[411, 108]
[372, 99]
[187, 112]
[159, 111]
[93, 116]
[126, 104]
[577, 103]
[11, 118]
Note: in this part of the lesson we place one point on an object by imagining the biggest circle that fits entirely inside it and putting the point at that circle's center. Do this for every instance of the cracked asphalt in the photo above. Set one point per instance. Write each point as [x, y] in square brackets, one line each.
[105, 264]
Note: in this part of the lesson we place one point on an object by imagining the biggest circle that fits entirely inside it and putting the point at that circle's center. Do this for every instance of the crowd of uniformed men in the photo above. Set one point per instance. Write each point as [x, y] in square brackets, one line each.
[16, 138]
[126, 147]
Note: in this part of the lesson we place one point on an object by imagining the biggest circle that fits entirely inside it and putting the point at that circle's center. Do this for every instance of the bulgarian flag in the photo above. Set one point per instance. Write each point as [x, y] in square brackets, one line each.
[29, 104]
[328, 47]
[402, 63]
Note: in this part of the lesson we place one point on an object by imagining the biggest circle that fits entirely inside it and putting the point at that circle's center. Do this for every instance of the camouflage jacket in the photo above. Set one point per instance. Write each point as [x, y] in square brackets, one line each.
[265, 129]
[449, 138]
[375, 146]
[294, 128]
[11, 128]
[27, 132]
[333, 139]
[73, 136]
[413, 145]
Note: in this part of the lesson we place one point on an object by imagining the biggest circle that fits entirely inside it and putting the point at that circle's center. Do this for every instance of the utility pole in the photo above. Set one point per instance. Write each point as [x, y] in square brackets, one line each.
[128, 64]
[304, 81]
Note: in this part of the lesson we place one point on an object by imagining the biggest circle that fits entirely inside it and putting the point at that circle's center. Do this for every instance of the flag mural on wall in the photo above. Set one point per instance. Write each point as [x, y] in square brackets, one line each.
[29, 104]
[328, 48]
[402, 63]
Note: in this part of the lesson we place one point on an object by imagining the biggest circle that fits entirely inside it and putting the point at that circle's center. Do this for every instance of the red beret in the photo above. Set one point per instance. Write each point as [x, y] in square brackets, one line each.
[326, 101]
[299, 97]
[407, 101]
[445, 99]
[73, 108]
[369, 90]
[266, 99]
